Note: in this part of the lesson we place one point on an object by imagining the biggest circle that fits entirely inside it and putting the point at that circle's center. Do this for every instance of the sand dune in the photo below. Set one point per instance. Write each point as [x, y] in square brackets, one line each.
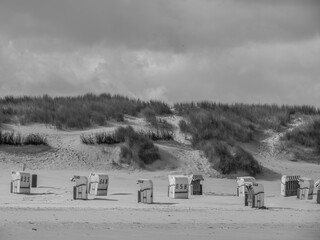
[50, 213]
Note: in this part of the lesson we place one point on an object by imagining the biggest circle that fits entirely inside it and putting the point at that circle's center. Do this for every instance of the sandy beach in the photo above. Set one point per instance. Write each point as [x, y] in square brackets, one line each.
[49, 212]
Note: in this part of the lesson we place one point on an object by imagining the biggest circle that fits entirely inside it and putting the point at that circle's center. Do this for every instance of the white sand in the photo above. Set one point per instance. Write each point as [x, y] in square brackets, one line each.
[50, 213]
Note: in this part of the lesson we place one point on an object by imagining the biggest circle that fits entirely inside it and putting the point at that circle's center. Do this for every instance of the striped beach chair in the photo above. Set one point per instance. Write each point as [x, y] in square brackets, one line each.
[178, 186]
[289, 185]
[98, 184]
[195, 186]
[20, 182]
[80, 190]
[145, 194]
[305, 191]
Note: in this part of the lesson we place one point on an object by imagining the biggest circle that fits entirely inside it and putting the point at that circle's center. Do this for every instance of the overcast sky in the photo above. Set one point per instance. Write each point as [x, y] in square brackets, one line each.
[251, 51]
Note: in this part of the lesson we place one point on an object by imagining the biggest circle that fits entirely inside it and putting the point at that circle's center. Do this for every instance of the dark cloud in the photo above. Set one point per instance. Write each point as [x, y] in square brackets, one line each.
[162, 24]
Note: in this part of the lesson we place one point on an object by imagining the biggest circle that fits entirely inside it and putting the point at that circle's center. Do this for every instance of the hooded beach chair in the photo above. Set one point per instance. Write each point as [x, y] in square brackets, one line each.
[178, 186]
[20, 182]
[255, 197]
[145, 194]
[80, 190]
[98, 184]
[243, 182]
[289, 185]
[305, 191]
[195, 186]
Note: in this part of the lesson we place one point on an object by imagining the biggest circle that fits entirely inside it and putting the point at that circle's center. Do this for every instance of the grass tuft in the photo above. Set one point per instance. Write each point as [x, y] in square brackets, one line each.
[78, 112]
[307, 135]
[136, 147]
[15, 139]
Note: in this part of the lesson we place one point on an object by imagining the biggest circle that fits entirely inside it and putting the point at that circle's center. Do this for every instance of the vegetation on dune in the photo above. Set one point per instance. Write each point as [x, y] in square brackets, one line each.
[75, 112]
[248, 115]
[307, 135]
[161, 129]
[229, 159]
[16, 139]
[118, 136]
[216, 128]
[136, 146]
[10, 138]
[142, 148]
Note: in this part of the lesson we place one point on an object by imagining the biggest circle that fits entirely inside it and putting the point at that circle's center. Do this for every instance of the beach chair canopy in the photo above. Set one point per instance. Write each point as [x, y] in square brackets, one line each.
[286, 178]
[174, 179]
[16, 175]
[79, 180]
[96, 177]
[145, 184]
[23, 177]
[257, 188]
[306, 182]
[195, 177]
[246, 179]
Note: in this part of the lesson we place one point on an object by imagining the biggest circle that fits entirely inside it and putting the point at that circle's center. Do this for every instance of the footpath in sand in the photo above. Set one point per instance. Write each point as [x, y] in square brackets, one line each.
[50, 213]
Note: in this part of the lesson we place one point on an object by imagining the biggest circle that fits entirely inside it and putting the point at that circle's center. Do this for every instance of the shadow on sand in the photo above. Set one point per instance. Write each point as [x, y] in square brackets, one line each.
[121, 194]
[220, 194]
[268, 175]
[56, 188]
[159, 203]
[104, 199]
[41, 194]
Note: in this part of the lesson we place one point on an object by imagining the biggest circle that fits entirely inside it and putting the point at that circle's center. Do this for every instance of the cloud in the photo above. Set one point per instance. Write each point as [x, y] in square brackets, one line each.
[285, 73]
[162, 25]
[274, 73]
[96, 70]
[220, 50]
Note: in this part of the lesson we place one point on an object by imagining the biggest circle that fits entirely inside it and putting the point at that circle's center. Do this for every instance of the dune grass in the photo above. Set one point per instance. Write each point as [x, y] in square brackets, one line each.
[217, 128]
[136, 147]
[229, 159]
[75, 112]
[122, 133]
[16, 139]
[307, 135]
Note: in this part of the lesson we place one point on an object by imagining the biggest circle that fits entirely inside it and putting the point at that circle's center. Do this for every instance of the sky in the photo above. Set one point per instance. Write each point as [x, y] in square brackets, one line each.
[248, 51]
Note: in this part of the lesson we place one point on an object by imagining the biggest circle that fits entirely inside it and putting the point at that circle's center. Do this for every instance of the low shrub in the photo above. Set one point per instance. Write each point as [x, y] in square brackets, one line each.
[205, 125]
[137, 146]
[147, 152]
[157, 135]
[150, 116]
[87, 139]
[308, 135]
[123, 134]
[184, 126]
[35, 139]
[106, 138]
[126, 154]
[246, 161]
[220, 156]
[98, 118]
[10, 138]
[16, 139]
